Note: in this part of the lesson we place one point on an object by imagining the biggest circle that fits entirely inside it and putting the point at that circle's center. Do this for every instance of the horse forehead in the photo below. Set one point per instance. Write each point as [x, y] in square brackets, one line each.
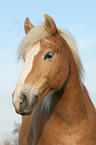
[49, 43]
[32, 51]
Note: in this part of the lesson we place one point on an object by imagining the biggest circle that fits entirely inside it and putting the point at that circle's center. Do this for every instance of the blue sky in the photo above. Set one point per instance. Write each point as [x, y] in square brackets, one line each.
[79, 17]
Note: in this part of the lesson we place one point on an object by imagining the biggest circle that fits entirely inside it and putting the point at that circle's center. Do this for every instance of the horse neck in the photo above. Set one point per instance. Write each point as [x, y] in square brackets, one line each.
[71, 105]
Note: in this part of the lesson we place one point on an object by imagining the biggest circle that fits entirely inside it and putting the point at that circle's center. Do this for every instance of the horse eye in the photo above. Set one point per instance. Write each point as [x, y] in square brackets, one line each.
[49, 55]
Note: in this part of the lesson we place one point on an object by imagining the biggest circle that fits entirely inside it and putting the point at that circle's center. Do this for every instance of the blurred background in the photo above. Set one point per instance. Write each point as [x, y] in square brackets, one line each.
[79, 17]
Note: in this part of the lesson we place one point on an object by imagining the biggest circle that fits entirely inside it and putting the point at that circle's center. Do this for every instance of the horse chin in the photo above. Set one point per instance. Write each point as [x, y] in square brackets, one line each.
[24, 112]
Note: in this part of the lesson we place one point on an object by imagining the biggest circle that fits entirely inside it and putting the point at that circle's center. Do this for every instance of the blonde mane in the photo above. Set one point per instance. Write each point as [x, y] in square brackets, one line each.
[38, 33]
[72, 44]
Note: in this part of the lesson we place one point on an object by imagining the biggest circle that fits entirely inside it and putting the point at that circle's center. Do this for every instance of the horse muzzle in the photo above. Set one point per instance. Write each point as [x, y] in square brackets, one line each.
[23, 104]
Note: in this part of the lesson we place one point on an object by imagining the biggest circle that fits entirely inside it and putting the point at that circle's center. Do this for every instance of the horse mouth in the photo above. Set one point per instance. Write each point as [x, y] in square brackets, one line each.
[29, 108]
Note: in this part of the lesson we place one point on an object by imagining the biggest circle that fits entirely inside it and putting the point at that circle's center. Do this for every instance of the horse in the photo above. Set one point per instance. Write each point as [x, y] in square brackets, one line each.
[50, 94]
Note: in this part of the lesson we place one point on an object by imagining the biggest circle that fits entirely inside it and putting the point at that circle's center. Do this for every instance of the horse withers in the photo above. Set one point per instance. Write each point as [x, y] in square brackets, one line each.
[50, 89]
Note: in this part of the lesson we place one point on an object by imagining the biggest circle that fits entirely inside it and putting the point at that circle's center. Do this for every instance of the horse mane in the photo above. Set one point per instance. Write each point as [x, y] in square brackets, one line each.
[72, 44]
[38, 33]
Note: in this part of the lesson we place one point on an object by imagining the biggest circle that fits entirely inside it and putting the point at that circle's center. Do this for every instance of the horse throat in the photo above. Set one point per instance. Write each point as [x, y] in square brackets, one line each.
[70, 106]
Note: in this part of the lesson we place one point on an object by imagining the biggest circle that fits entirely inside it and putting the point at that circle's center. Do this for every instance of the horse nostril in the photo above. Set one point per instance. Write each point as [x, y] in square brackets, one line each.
[24, 102]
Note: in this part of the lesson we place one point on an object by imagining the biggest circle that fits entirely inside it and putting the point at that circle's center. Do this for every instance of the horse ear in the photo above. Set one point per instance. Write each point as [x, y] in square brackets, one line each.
[50, 25]
[27, 25]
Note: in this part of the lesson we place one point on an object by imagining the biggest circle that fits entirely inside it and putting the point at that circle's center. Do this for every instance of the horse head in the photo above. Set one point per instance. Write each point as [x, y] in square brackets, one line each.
[46, 57]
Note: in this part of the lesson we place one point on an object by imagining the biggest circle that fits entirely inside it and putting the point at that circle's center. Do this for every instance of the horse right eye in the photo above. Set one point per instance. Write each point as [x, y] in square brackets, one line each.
[48, 56]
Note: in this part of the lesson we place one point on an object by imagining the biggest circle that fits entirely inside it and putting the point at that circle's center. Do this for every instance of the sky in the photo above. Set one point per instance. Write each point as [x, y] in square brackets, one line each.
[78, 17]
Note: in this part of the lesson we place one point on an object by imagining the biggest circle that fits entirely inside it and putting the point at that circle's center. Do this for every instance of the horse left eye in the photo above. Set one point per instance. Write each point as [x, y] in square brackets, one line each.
[49, 55]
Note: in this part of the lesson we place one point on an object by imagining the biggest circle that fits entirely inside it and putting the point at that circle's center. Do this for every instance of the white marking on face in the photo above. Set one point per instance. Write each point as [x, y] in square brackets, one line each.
[29, 57]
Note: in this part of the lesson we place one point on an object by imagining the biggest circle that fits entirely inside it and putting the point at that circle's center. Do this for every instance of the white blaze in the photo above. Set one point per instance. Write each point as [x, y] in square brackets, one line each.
[29, 57]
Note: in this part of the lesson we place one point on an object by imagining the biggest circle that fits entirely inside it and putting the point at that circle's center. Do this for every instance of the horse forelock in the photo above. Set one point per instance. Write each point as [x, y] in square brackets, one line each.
[36, 34]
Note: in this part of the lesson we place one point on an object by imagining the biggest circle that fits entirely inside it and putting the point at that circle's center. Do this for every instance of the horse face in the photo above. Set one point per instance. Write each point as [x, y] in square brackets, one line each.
[45, 71]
